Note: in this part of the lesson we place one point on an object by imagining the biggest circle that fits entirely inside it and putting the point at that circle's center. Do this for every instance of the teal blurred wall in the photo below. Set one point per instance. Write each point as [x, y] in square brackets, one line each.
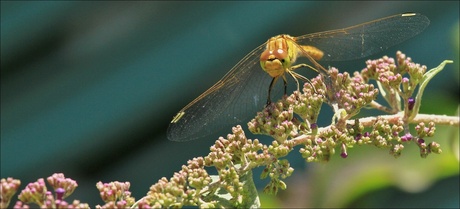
[88, 88]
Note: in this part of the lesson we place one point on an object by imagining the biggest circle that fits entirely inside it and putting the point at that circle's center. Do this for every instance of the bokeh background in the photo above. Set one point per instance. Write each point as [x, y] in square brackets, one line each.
[89, 88]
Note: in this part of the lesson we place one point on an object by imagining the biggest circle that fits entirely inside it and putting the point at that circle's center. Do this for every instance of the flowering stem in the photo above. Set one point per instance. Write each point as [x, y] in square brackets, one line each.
[382, 108]
[438, 119]
[370, 121]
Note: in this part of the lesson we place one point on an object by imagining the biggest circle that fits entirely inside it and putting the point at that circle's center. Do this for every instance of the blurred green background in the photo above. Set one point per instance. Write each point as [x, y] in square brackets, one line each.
[89, 88]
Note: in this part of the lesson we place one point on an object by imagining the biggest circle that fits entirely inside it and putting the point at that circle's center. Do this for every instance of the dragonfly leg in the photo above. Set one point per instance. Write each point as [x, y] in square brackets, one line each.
[272, 83]
[301, 65]
[303, 78]
[285, 85]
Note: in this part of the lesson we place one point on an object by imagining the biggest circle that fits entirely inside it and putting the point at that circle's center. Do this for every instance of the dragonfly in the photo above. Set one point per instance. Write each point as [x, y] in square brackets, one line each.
[247, 87]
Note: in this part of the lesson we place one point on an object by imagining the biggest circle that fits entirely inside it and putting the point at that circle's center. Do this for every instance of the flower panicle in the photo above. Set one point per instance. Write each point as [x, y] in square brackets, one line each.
[115, 194]
[291, 122]
[37, 193]
[61, 185]
[348, 95]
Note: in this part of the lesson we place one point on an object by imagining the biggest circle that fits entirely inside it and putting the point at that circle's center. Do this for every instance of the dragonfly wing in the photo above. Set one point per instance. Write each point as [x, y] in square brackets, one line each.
[233, 100]
[244, 89]
[367, 38]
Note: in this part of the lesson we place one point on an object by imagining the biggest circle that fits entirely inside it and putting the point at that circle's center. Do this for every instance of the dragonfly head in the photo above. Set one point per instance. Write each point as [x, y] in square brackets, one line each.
[274, 62]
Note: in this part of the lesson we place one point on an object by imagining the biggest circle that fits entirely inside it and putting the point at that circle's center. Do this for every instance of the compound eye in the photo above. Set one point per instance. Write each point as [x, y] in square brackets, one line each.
[280, 54]
[266, 55]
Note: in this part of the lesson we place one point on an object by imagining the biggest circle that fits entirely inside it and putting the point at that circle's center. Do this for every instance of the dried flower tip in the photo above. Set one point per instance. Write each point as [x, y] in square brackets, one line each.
[420, 141]
[407, 137]
[410, 103]
[59, 193]
[344, 153]
[58, 180]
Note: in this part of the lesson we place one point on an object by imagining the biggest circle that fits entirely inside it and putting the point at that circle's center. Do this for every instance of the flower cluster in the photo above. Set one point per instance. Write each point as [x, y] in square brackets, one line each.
[233, 158]
[61, 185]
[307, 104]
[244, 154]
[115, 194]
[426, 131]
[182, 189]
[34, 192]
[348, 95]
[276, 120]
[390, 74]
[8, 188]
[277, 171]
[37, 193]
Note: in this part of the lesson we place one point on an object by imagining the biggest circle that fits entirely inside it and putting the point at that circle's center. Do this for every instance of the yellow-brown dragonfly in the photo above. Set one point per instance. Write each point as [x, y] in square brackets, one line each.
[245, 88]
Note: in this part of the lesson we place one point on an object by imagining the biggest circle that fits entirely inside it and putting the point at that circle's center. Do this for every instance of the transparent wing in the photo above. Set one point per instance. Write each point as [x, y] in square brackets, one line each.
[233, 100]
[365, 39]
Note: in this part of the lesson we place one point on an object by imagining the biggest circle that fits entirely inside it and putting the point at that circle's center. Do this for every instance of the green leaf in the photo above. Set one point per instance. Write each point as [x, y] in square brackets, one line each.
[250, 197]
[221, 195]
[391, 99]
[425, 79]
